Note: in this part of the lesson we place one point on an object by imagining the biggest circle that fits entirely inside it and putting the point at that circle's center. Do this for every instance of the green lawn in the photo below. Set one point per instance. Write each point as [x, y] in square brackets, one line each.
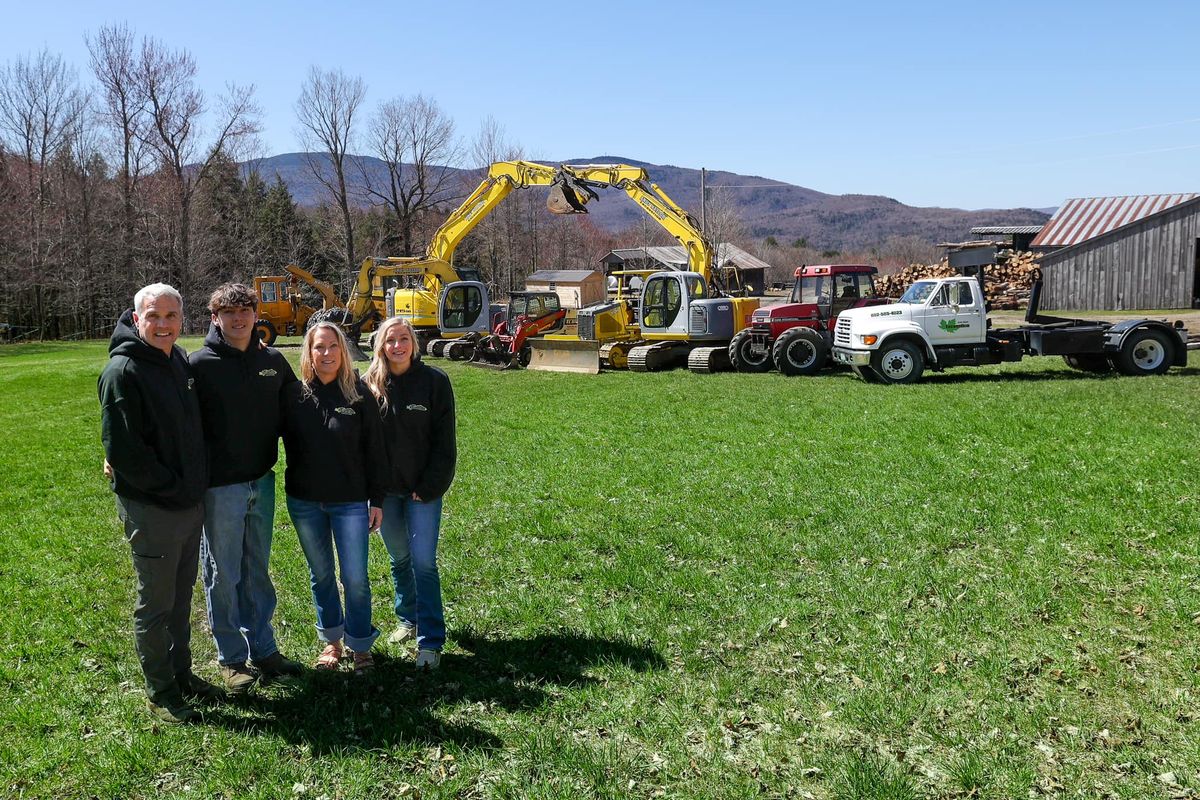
[984, 585]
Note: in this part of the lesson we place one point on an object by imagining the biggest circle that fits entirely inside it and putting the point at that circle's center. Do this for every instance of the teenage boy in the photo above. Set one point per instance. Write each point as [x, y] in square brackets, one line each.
[239, 382]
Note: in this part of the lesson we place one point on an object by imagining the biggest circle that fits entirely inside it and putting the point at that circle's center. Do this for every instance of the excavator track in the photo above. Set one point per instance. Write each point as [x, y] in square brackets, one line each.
[615, 355]
[656, 356]
[705, 360]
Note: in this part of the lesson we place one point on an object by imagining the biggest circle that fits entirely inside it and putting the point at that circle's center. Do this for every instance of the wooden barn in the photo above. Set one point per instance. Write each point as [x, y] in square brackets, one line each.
[1122, 253]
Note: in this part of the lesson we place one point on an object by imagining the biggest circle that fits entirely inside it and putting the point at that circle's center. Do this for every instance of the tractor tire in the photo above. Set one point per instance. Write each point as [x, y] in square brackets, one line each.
[337, 316]
[742, 356]
[1089, 362]
[899, 362]
[800, 351]
[266, 332]
[1144, 352]
[525, 355]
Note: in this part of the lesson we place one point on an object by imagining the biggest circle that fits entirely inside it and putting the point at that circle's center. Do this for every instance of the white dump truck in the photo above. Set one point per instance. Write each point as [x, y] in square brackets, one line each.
[941, 323]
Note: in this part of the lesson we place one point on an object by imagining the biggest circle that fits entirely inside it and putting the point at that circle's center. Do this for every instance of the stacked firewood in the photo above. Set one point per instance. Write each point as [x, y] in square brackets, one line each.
[1005, 283]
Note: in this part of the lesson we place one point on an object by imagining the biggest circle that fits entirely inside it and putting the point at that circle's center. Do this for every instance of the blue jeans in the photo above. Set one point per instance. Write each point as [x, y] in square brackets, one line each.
[234, 554]
[321, 527]
[410, 533]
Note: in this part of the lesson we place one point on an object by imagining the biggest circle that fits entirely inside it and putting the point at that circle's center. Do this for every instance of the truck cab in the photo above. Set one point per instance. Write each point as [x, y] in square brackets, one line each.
[935, 320]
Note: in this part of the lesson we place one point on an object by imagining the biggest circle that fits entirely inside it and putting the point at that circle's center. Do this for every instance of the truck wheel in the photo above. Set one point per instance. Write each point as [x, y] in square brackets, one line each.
[1089, 362]
[899, 362]
[266, 332]
[743, 357]
[800, 351]
[1144, 352]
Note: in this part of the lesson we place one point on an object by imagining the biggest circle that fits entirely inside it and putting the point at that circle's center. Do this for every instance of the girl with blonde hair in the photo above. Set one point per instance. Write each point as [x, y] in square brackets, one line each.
[417, 404]
[335, 481]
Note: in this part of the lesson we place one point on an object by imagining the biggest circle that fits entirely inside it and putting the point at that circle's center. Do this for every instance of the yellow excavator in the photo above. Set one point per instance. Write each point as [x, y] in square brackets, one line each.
[608, 331]
[679, 315]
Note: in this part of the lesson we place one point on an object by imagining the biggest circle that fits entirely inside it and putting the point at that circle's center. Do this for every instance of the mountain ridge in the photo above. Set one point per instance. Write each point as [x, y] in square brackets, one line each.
[766, 207]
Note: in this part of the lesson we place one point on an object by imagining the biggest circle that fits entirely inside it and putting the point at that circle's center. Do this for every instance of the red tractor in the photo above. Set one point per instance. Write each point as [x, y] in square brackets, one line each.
[530, 314]
[796, 337]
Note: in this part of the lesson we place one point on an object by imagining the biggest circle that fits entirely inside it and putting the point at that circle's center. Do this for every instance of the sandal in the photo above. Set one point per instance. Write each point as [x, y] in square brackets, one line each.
[330, 657]
[363, 662]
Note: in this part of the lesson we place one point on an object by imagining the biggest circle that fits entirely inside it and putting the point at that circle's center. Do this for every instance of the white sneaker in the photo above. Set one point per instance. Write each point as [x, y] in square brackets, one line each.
[428, 659]
[402, 634]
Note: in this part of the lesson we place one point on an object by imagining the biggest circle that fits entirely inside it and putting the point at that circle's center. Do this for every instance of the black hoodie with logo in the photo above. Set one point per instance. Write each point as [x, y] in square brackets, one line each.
[418, 427]
[239, 402]
[334, 448]
[150, 422]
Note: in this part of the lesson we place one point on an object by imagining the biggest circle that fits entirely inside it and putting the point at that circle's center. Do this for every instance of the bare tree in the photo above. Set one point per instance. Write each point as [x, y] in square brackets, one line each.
[498, 235]
[114, 62]
[326, 109]
[176, 107]
[39, 107]
[415, 140]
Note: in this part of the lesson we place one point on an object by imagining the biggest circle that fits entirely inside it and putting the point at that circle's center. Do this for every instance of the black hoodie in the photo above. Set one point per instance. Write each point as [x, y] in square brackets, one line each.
[150, 422]
[334, 448]
[239, 402]
[418, 427]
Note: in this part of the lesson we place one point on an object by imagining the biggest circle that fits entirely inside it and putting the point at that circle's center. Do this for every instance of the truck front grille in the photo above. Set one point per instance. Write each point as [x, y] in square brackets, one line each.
[841, 334]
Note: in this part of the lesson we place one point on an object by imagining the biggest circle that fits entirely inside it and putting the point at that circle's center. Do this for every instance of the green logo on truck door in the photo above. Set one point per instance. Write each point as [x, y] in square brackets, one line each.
[952, 325]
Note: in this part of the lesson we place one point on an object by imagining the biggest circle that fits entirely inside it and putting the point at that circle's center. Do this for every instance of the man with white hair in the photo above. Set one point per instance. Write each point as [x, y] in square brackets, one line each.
[153, 440]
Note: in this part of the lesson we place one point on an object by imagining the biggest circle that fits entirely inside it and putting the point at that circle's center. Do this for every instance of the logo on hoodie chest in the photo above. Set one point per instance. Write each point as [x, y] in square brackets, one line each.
[415, 407]
[344, 410]
[267, 373]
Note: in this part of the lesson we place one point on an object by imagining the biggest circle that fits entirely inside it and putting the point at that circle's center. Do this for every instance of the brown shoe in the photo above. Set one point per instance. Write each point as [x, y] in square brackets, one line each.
[173, 711]
[363, 663]
[238, 678]
[193, 687]
[278, 664]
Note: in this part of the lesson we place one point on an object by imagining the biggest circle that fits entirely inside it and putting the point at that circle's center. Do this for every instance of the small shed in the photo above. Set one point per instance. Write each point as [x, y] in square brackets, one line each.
[1122, 253]
[575, 288]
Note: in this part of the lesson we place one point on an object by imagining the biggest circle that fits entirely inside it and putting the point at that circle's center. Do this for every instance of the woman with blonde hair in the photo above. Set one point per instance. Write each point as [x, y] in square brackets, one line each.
[417, 404]
[335, 482]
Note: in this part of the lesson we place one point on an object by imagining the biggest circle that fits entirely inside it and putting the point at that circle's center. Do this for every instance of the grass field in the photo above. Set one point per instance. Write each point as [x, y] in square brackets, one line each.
[672, 585]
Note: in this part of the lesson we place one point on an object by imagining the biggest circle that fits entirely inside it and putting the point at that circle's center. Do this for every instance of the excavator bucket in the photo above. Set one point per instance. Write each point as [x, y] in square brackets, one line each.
[356, 353]
[568, 197]
[565, 355]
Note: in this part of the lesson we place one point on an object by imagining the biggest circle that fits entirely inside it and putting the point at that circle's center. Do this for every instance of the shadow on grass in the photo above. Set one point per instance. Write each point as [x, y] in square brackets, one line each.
[395, 704]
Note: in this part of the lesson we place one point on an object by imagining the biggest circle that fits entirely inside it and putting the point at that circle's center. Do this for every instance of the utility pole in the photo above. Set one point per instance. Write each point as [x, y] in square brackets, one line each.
[703, 201]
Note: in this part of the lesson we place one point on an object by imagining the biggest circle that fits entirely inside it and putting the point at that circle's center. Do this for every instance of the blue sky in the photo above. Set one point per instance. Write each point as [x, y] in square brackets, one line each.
[950, 104]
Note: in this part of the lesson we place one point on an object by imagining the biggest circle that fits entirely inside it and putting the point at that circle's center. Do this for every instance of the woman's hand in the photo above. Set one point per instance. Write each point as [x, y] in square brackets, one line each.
[374, 518]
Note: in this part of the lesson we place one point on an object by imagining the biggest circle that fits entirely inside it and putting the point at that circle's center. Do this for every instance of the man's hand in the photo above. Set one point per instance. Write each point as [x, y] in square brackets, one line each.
[374, 518]
[417, 498]
[108, 473]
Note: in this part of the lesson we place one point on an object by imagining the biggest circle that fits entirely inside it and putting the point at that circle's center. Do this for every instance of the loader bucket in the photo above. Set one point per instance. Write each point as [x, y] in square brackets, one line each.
[561, 355]
[566, 199]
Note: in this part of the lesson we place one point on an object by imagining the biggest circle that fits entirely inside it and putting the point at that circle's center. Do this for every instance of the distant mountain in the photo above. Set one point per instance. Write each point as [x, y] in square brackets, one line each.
[767, 207]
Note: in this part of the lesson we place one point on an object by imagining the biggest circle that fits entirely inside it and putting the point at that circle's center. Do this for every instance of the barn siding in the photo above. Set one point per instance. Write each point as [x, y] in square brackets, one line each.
[1149, 264]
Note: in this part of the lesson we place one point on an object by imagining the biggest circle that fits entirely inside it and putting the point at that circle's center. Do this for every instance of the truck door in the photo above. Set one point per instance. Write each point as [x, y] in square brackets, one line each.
[463, 308]
[952, 315]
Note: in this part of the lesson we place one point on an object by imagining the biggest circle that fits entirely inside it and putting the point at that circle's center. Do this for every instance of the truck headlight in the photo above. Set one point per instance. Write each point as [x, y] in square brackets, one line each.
[869, 340]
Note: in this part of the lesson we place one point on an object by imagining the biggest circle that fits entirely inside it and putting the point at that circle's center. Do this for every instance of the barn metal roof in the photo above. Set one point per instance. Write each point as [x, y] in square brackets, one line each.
[1083, 218]
[1000, 230]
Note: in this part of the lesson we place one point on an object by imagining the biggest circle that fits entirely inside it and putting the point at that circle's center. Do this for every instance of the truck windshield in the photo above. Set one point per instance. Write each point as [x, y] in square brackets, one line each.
[919, 292]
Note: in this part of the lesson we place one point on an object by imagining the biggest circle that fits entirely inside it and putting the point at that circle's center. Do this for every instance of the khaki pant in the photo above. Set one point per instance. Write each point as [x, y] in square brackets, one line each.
[165, 546]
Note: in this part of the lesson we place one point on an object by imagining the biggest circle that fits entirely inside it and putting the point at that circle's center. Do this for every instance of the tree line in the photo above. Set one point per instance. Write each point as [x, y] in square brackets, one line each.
[132, 174]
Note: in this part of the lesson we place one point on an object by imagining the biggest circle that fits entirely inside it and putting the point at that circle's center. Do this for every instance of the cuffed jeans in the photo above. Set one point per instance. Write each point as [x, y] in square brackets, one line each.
[322, 527]
[410, 533]
[234, 554]
[165, 546]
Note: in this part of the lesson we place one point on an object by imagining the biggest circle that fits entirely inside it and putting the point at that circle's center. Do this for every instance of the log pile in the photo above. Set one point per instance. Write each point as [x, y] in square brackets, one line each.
[1006, 283]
